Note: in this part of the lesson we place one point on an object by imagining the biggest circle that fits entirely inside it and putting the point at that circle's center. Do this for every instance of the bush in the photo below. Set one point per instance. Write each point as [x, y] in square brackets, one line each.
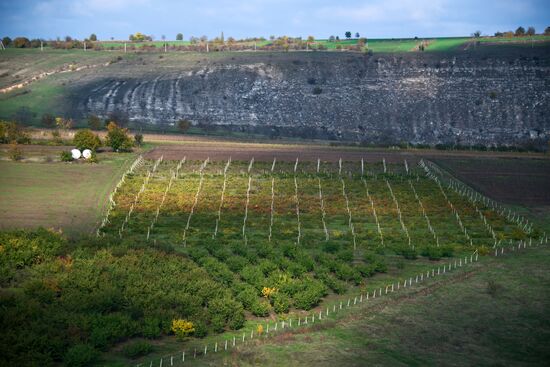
[80, 355]
[331, 247]
[261, 308]
[225, 312]
[117, 138]
[15, 153]
[306, 299]
[433, 253]
[151, 328]
[407, 252]
[66, 156]
[248, 297]
[138, 140]
[182, 328]
[137, 349]
[86, 139]
[281, 302]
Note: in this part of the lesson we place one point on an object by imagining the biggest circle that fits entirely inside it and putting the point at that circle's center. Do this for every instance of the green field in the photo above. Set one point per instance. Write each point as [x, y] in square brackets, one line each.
[55, 195]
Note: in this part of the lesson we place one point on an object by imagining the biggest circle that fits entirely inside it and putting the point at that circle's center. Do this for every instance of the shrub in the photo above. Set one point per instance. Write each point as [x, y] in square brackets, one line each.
[261, 308]
[66, 156]
[345, 255]
[331, 247]
[226, 312]
[433, 253]
[15, 153]
[137, 349]
[306, 299]
[138, 139]
[182, 328]
[80, 355]
[151, 328]
[117, 138]
[407, 252]
[86, 139]
[248, 297]
[281, 303]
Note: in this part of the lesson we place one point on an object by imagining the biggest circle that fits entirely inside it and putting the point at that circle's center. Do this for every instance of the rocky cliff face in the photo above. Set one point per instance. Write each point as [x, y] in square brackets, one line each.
[418, 98]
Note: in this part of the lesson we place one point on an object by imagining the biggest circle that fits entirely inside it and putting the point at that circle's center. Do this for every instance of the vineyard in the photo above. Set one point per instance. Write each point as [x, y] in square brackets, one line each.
[279, 236]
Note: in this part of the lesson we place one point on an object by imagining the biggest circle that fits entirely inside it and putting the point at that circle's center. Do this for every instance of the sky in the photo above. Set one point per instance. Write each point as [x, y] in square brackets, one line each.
[49, 19]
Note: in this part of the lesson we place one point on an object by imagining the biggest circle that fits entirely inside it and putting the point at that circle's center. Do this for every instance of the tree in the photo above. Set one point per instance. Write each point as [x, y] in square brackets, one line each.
[94, 122]
[520, 32]
[179, 37]
[531, 31]
[48, 120]
[138, 37]
[184, 125]
[348, 34]
[310, 39]
[163, 37]
[86, 139]
[357, 35]
[21, 42]
[331, 39]
[547, 31]
[117, 138]
[138, 139]
[63, 123]
[93, 37]
[6, 41]
[476, 34]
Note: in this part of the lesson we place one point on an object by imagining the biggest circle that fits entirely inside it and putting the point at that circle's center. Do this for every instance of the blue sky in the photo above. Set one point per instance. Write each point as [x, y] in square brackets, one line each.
[320, 18]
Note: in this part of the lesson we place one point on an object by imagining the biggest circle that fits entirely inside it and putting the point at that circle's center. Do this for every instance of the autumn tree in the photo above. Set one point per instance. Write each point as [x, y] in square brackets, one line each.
[86, 139]
[21, 42]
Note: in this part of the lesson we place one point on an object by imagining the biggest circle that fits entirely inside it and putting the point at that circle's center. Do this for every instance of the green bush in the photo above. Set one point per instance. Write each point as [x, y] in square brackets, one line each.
[137, 349]
[226, 312]
[86, 139]
[118, 139]
[331, 247]
[248, 297]
[281, 302]
[65, 156]
[151, 328]
[433, 253]
[261, 308]
[80, 355]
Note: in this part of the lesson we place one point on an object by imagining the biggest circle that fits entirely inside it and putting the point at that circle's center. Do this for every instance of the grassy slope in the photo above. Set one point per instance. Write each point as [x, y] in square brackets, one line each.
[456, 321]
[60, 195]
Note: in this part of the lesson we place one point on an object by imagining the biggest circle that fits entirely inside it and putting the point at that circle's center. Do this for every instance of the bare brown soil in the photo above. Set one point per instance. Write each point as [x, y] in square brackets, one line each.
[513, 181]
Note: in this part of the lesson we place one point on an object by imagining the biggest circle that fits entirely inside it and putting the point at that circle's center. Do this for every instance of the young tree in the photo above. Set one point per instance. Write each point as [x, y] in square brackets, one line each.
[531, 31]
[184, 125]
[6, 41]
[117, 138]
[94, 122]
[179, 37]
[86, 139]
[520, 31]
[348, 34]
[21, 42]
[93, 37]
[138, 139]
[48, 120]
